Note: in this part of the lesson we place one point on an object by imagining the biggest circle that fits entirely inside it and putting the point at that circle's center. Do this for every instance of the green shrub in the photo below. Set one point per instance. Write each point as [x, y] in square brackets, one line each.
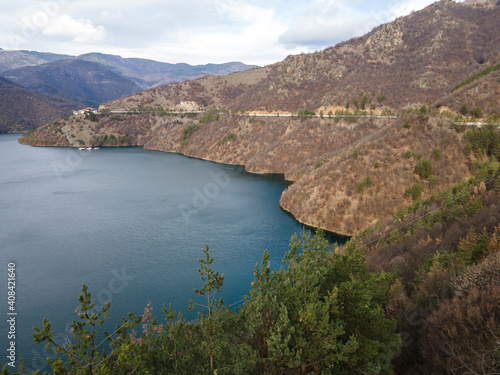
[210, 116]
[477, 112]
[437, 153]
[355, 154]
[464, 110]
[188, 131]
[423, 168]
[414, 191]
[483, 141]
[368, 181]
[407, 124]
[361, 187]
[376, 165]
[304, 114]
[433, 181]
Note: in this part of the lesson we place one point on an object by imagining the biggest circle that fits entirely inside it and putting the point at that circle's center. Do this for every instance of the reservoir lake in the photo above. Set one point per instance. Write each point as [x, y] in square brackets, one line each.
[130, 224]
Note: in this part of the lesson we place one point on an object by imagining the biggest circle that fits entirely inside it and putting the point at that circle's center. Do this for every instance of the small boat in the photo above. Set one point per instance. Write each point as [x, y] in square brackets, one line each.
[82, 148]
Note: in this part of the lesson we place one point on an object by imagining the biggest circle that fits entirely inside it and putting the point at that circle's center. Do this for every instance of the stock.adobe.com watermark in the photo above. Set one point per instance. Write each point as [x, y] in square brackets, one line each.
[218, 181]
[32, 25]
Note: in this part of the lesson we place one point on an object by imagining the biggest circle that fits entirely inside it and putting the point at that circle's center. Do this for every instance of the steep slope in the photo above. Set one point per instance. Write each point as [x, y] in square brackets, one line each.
[149, 73]
[22, 110]
[74, 79]
[415, 59]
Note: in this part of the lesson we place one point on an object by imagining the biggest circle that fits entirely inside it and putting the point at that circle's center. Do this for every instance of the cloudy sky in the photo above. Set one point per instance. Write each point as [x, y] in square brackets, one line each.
[193, 31]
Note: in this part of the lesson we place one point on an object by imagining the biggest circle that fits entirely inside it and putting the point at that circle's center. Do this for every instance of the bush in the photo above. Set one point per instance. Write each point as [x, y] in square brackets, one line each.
[423, 168]
[484, 141]
[304, 114]
[407, 124]
[188, 131]
[368, 181]
[414, 191]
[464, 110]
[361, 187]
[355, 154]
[210, 116]
[433, 181]
[319, 164]
[376, 165]
[477, 112]
[437, 153]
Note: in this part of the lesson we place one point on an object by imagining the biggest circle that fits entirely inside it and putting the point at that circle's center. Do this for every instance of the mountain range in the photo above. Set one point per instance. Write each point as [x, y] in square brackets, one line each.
[78, 80]
[145, 73]
[87, 80]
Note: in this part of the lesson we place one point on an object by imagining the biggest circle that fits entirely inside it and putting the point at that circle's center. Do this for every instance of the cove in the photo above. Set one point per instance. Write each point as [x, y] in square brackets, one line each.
[129, 223]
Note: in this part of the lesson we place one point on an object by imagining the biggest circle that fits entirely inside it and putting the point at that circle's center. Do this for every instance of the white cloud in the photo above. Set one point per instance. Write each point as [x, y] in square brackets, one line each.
[80, 31]
[193, 31]
[324, 23]
[111, 15]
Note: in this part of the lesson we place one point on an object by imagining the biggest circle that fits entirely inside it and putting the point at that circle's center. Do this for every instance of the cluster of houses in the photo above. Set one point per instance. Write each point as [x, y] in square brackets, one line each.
[86, 111]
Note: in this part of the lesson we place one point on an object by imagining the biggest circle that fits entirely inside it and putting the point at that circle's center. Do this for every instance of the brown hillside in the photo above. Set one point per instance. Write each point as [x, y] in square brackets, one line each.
[22, 110]
[414, 60]
[318, 154]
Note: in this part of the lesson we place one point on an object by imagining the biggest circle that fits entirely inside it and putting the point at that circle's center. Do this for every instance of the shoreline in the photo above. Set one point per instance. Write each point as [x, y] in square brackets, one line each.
[342, 237]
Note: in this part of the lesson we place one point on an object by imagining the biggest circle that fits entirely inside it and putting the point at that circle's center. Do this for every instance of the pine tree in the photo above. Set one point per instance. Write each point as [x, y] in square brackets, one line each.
[209, 318]
[82, 354]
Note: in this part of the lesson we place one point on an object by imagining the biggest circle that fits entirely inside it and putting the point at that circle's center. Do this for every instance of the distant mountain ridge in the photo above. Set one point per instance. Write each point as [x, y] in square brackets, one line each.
[75, 79]
[145, 73]
[149, 73]
[10, 60]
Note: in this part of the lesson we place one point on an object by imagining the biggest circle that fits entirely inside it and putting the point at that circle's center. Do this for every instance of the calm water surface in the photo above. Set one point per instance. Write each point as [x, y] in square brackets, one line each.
[130, 224]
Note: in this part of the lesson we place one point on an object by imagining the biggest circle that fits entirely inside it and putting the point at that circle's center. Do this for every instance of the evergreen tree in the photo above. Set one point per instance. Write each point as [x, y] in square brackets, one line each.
[84, 354]
[322, 314]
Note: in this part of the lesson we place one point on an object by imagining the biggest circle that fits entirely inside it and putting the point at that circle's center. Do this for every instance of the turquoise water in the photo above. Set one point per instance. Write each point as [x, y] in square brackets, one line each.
[130, 224]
